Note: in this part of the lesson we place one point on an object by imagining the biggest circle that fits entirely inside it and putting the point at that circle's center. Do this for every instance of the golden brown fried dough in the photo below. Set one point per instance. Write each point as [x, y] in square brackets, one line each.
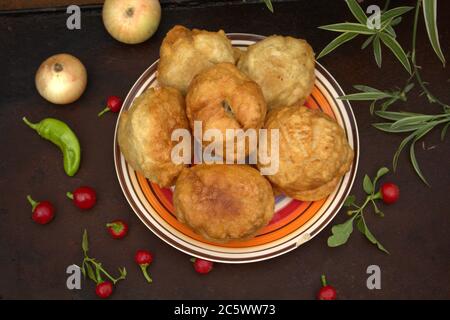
[222, 97]
[223, 202]
[185, 53]
[313, 152]
[283, 67]
[144, 133]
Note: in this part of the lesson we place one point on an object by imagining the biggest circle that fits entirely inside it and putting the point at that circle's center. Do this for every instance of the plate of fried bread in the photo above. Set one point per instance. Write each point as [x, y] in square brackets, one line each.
[187, 176]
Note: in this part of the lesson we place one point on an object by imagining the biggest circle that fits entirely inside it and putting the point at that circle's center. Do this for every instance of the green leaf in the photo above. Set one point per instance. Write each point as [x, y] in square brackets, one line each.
[430, 15]
[357, 11]
[90, 272]
[400, 148]
[341, 233]
[367, 42]
[415, 164]
[269, 5]
[364, 96]
[391, 115]
[411, 120]
[382, 171]
[348, 27]
[444, 131]
[391, 31]
[367, 185]
[366, 88]
[349, 201]
[387, 127]
[387, 103]
[372, 107]
[123, 272]
[343, 38]
[362, 227]
[395, 12]
[396, 21]
[397, 50]
[377, 51]
[408, 87]
[83, 269]
[85, 242]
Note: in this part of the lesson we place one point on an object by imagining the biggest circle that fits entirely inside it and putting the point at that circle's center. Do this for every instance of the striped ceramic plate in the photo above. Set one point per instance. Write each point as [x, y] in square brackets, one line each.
[294, 222]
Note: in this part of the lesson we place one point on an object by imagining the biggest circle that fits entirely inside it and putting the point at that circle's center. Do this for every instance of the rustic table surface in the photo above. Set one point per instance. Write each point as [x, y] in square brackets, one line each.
[416, 230]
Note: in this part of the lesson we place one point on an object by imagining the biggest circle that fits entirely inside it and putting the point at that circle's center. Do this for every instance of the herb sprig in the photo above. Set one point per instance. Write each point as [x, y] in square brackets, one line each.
[94, 269]
[416, 123]
[342, 232]
[385, 34]
[375, 95]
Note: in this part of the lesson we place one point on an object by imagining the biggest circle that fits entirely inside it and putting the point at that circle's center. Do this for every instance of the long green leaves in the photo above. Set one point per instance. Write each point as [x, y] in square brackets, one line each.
[384, 34]
[398, 51]
[375, 95]
[343, 38]
[394, 13]
[430, 16]
[357, 11]
[418, 124]
[348, 27]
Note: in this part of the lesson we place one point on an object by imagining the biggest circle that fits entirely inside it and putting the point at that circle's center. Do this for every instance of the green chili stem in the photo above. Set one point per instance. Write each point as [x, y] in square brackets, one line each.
[144, 271]
[103, 111]
[32, 202]
[33, 126]
[69, 195]
[97, 274]
[376, 196]
[324, 280]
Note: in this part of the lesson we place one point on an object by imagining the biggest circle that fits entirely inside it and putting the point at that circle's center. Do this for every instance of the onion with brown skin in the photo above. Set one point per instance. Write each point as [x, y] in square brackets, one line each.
[61, 79]
[131, 21]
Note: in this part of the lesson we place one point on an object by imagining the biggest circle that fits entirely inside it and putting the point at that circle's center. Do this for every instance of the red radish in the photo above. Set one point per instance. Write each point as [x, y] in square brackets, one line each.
[389, 192]
[83, 197]
[43, 211]
[327, 292]
[117, 229]
[202, 266]
[113, 104]
[144, 258]
[104, 289]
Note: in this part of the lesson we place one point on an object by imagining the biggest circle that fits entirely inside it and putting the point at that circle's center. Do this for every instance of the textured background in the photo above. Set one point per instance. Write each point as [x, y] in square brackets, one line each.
[33, 258]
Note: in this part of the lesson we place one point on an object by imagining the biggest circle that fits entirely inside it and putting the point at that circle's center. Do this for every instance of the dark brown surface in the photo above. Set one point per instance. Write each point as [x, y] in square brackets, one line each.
[34, 258]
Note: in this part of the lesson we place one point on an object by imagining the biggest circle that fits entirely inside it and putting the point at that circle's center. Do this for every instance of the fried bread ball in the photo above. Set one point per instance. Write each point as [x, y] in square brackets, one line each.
[223, 202]
[222, 97]
[283, 67]
[313, 152]
[185, 53]
[144, 133]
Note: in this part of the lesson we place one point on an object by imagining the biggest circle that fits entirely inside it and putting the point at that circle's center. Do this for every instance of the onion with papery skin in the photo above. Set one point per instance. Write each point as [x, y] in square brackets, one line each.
[131, 21]
[61, 79]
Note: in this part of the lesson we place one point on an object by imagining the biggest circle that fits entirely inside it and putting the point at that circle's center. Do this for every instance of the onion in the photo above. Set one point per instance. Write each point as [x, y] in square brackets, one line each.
[61, 79]
[131, 21]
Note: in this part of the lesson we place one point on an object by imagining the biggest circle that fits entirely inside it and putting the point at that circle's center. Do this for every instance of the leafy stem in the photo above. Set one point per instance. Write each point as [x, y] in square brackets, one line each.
[341, 232]
[431, 98]
[94, 269]
[418, 124]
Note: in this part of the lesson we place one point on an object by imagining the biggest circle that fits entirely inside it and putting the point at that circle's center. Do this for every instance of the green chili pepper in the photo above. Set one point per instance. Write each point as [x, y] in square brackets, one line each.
[60, 134]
